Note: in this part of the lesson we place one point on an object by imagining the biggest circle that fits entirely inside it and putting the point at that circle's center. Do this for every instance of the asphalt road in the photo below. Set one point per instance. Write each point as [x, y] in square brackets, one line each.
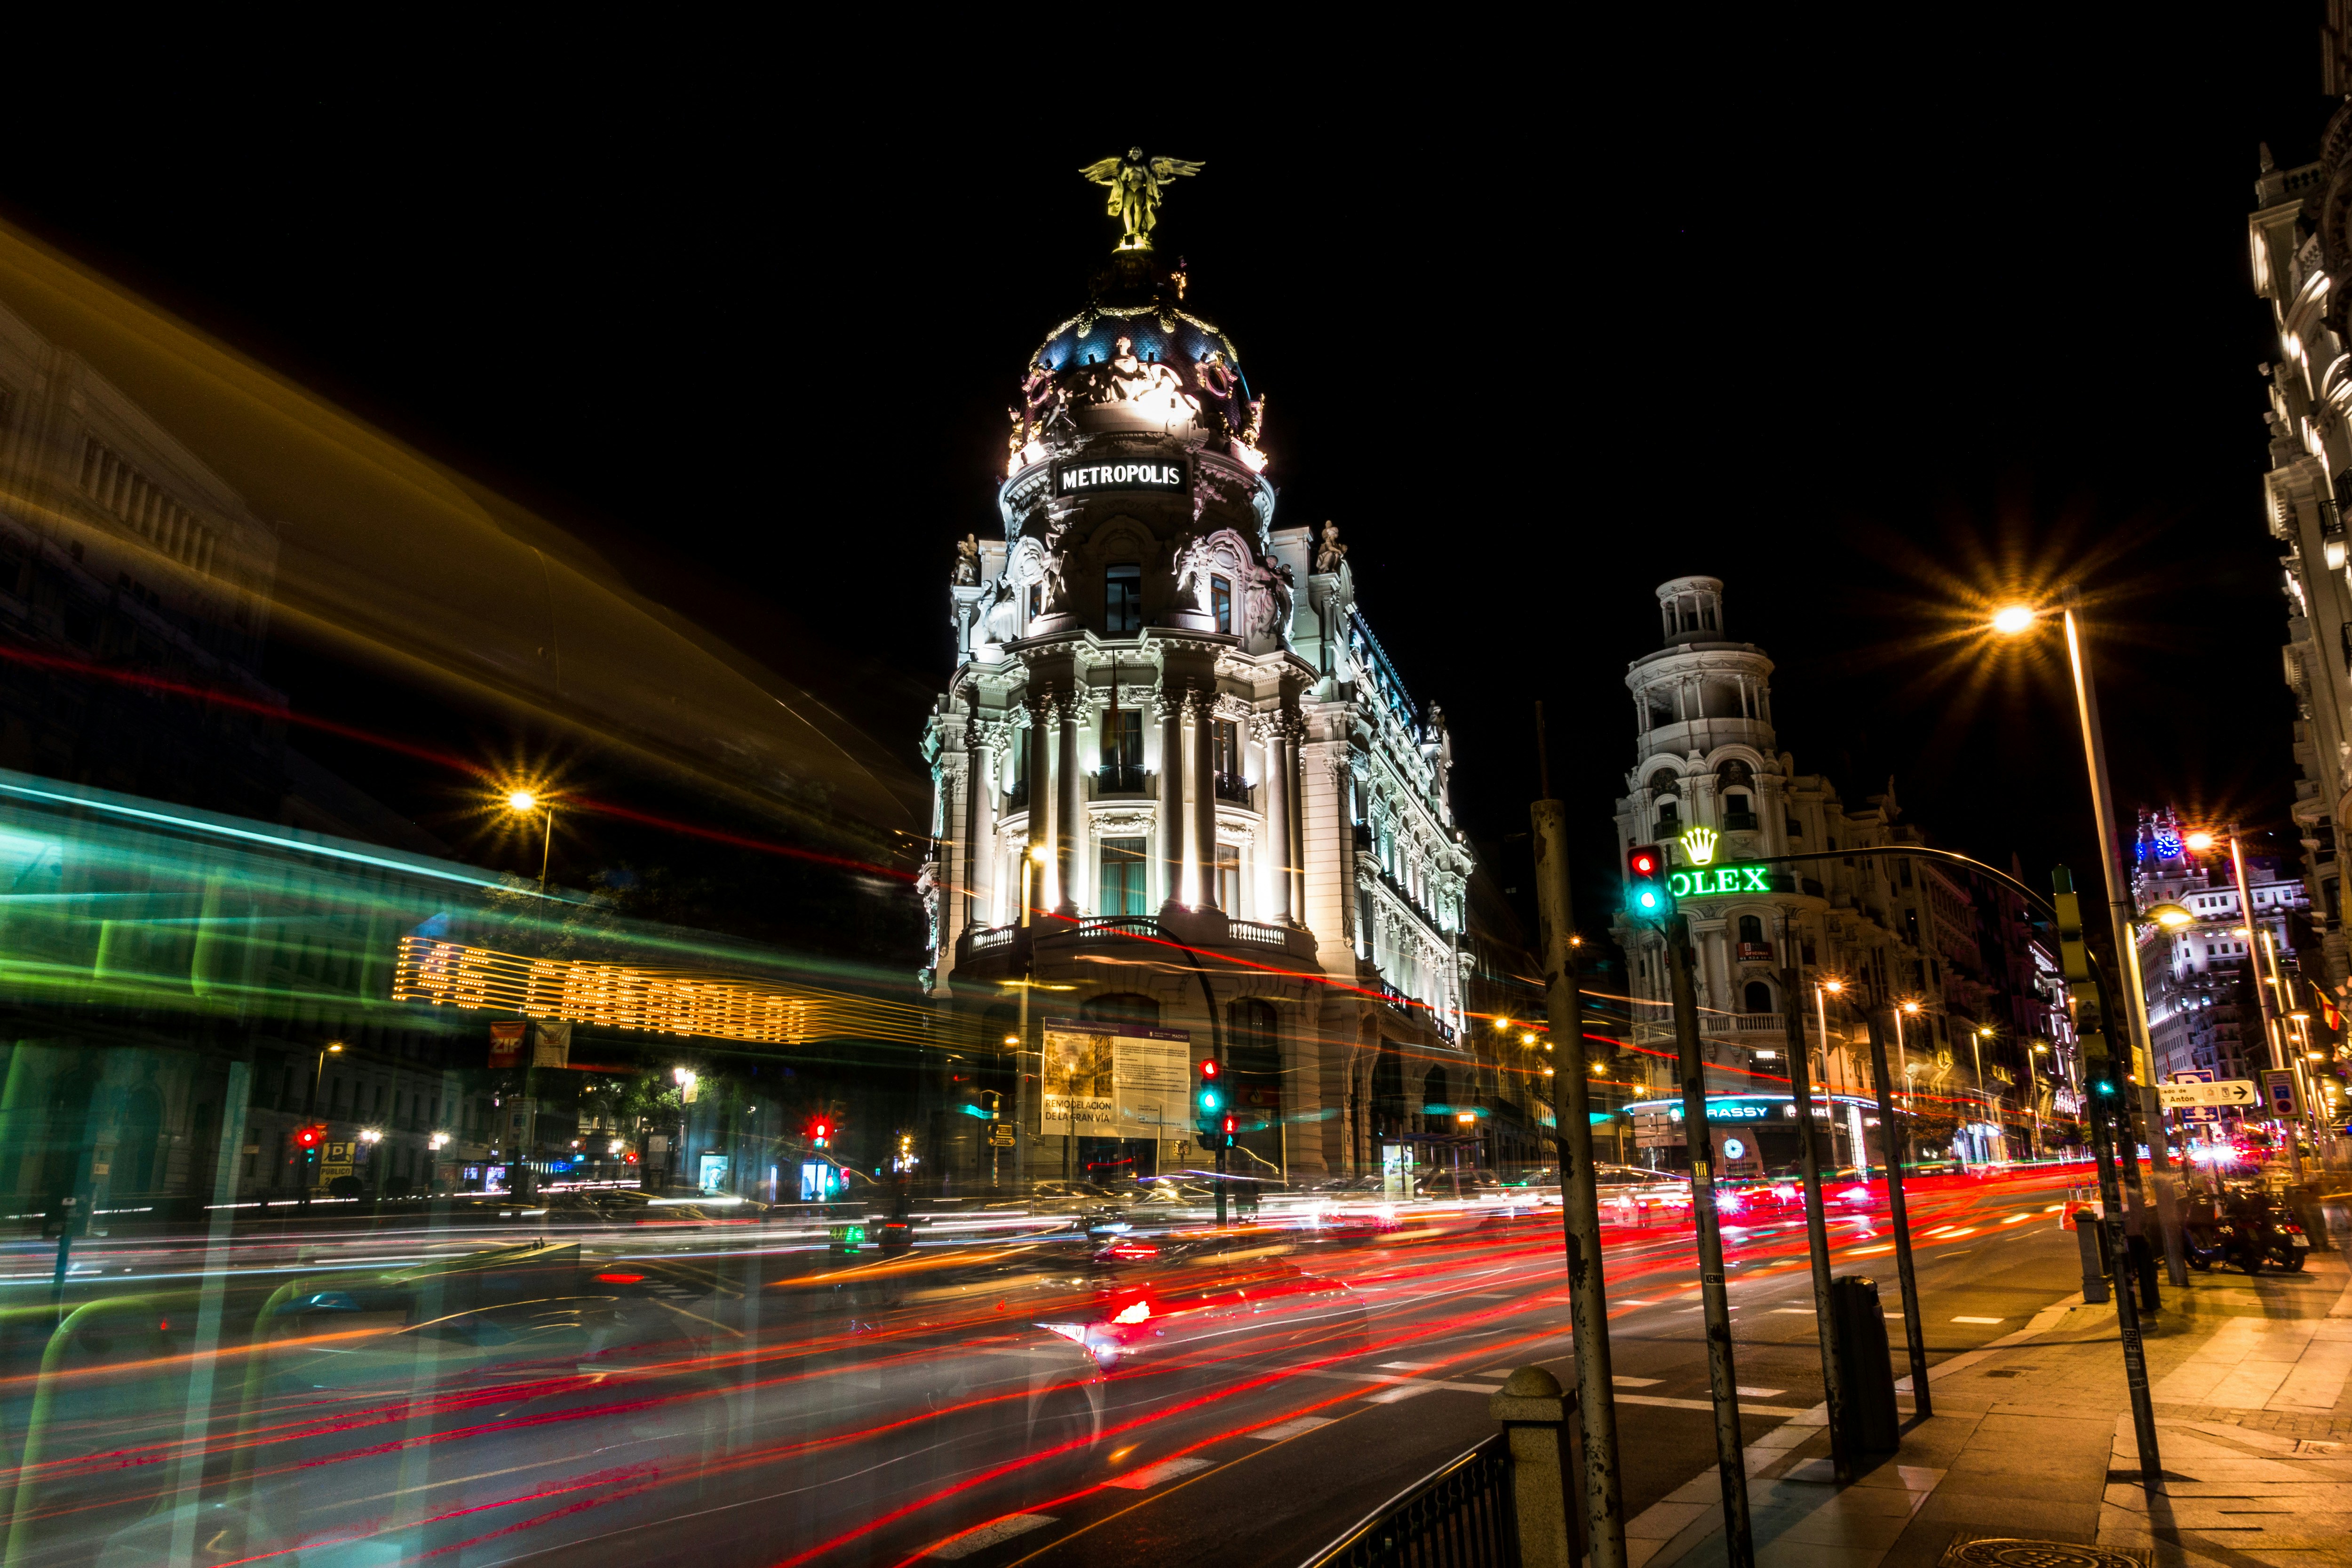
[695, 1417]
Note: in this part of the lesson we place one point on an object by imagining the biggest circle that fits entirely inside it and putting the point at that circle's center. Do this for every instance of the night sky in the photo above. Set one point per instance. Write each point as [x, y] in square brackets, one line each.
[1875, 330]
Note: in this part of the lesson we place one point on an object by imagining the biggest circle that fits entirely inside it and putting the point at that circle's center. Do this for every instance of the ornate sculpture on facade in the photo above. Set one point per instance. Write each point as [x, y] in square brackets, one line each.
[1127, 378]
[1135, 185]
[1192, 563]
[1327, 557]
[967, 566]
[1274, 592]
[926, 887]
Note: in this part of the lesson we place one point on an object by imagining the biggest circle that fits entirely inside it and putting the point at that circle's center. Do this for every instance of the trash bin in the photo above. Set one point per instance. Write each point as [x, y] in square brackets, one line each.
[2094, 1259]
[1871, 1423]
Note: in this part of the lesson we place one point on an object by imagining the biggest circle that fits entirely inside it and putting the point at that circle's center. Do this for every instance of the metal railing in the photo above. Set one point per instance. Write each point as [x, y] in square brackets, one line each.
[1234, 788]
[1119, 778]
[1458, 1516]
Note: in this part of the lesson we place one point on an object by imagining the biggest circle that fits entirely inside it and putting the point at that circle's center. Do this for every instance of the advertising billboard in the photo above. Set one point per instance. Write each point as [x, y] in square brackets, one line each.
[1108, 1079]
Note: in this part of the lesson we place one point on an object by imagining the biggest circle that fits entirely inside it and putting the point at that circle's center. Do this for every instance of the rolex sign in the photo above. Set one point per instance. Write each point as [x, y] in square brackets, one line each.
[1085, 478]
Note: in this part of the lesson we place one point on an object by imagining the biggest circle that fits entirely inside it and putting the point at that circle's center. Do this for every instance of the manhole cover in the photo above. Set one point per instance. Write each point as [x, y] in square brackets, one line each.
[2011, 1552]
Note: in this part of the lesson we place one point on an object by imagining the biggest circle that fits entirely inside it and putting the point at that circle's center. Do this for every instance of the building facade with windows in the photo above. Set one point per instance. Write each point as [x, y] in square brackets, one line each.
[1710, 787]
[2199, 980]
[1178, 780]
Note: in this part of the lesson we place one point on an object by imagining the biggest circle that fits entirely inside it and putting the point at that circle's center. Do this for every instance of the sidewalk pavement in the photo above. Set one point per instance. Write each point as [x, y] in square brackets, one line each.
[2033, 1438]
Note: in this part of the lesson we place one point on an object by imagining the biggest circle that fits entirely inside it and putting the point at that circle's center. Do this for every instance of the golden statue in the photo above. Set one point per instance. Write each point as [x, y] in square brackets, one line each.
[1135, 190]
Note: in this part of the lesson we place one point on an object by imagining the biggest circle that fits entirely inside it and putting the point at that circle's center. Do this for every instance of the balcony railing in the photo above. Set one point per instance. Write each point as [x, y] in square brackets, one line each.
[1739, 822]
[1119, 778]
[1259, 932]
[1234, 787]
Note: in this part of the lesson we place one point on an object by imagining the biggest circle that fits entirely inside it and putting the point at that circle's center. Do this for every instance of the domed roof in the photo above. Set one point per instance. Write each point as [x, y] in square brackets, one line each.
[1159, 334]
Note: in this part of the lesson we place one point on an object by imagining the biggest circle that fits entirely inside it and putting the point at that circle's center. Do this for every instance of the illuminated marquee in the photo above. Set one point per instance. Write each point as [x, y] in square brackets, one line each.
[1075, 478]
[1703, 881]
[614, 995]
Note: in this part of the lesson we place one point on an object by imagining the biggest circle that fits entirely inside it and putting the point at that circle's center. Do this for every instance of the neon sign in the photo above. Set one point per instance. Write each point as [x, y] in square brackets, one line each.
[1698, 844]
[1699, 884]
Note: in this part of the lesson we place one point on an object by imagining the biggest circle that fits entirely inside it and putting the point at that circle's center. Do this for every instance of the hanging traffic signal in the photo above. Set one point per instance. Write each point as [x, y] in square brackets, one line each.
[1645, 882]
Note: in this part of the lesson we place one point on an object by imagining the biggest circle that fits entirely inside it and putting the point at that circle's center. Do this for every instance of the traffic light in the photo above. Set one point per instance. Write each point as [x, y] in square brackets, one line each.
[1226, 1127]
[1207, 1093]
[1645, 882]
[819, 1131]
[309, 1138]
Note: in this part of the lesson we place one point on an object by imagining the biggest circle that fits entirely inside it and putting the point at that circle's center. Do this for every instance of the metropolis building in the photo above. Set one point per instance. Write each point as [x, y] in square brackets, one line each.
[1179, 784]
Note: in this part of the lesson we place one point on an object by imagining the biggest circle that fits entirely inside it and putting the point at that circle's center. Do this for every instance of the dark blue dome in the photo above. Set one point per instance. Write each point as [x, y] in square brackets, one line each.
[1160, 336]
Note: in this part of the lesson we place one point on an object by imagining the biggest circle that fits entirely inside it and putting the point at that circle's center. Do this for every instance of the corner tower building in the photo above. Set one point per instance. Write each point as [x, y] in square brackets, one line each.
[1178, 784]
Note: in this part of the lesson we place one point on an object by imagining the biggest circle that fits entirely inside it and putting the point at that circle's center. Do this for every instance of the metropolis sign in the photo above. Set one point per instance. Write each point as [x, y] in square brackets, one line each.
[1086, 479]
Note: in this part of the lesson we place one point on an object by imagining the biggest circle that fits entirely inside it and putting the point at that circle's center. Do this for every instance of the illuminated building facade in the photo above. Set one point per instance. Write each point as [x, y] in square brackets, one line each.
[2302, 266]
[1709, 786]
[2199, 980]
[120, 547]
[1177, 777]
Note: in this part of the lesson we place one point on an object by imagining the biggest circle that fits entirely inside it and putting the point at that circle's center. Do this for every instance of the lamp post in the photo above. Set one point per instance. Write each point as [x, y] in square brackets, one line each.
[1823, 991]
[1904, 1056]
[522, 802]
[438, 1141]
[2013, 620]
[318, 1073]
[373, 1137]
[2274, 1027]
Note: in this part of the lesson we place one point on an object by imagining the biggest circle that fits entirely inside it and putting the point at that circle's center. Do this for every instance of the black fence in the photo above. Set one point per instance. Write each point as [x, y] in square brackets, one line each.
[1459, 1517]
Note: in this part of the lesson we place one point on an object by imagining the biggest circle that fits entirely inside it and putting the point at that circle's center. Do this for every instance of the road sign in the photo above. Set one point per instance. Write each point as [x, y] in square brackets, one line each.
[330, 1171]
[1000, 1135]
[339, 1153]
[2191, 1115]
[2228, 1091]
[2278, 1089]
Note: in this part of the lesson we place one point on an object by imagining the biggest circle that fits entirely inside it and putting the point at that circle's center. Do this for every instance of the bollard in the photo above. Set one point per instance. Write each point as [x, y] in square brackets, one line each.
[1872, 1423]
[2095, 1278]
[1546, 1441]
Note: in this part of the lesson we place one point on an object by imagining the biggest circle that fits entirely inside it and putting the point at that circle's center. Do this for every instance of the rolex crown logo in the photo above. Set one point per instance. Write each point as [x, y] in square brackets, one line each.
[1698, 846]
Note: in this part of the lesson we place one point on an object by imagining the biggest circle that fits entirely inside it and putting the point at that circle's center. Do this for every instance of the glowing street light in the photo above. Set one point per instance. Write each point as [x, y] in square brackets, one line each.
[2171, 917]
[522, 802]
[2011, 619]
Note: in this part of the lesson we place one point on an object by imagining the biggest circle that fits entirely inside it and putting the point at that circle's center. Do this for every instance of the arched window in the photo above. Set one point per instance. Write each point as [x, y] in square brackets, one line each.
[1670, 818]
[1664, 781]
[1433, 1093]
[1758, 996]
[1751, 931]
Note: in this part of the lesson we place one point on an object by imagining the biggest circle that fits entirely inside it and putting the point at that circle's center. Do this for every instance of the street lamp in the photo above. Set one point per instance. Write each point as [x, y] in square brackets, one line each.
[318, 1073]
[1977, 1037]
[2013, 620]
[522, 802]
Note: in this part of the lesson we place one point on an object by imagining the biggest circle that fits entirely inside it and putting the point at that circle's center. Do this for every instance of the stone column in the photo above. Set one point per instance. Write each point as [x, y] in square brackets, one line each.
[1276, 733]
[1171, 825]
[1041, 746]
[975, 784]
[1067, 823]
[1202, 708]
[988, 870]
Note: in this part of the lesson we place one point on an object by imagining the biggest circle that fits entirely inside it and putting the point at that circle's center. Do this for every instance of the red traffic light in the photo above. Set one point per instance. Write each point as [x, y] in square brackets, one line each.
[1230, 1127]
[1209, 1068]
[1643, 862]
[822, 1130]
[311, 1137]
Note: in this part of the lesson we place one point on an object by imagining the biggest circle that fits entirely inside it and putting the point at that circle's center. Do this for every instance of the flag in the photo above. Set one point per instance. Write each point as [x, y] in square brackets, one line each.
[553, 1045]
[2327, 1011]
[506, 1044]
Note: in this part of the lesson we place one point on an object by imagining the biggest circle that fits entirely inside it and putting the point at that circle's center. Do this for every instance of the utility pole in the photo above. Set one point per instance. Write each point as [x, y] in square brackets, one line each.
[1891, 1143]
[1817, 1229]
[1731, 1459]
[2107, 1085]
[1571, 1098]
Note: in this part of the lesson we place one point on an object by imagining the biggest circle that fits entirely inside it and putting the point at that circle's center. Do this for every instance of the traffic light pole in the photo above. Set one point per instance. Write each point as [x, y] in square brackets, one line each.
[1579, 1193]
[1731, 1460]
[1817, 1229]
[2106, 1076]
[1890, 1144]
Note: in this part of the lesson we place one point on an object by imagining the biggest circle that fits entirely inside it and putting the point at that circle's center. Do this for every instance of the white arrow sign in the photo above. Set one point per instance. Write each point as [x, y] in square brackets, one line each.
[2228, 1091]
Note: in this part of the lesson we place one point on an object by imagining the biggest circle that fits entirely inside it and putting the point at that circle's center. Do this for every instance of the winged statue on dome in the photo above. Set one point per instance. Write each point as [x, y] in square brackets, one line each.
[1135, 185]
